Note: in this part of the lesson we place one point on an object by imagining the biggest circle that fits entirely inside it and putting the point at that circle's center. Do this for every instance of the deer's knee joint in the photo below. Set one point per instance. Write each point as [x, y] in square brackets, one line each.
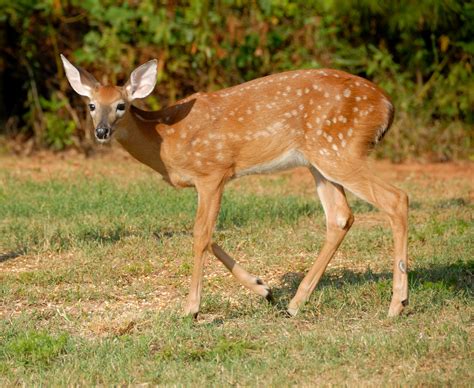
[344, 219]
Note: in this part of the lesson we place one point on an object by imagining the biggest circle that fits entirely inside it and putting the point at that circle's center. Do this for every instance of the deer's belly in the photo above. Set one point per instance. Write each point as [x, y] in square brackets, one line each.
[290, 159]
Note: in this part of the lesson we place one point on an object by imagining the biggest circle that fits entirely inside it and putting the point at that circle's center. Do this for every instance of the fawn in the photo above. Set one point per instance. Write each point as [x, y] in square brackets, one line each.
[326, 120]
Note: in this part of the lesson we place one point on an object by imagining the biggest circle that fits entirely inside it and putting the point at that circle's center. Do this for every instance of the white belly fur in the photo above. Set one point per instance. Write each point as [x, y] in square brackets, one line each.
[288, 160]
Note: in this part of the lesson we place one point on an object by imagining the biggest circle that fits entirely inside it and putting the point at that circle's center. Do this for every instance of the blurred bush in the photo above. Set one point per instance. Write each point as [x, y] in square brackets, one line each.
[420, 52]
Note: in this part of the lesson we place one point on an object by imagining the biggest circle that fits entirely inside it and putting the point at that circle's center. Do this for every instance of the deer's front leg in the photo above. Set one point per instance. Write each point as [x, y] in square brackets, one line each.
[209, 201]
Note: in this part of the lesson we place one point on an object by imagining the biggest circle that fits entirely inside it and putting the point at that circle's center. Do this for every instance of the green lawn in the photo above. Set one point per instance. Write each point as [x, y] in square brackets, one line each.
[95, 261]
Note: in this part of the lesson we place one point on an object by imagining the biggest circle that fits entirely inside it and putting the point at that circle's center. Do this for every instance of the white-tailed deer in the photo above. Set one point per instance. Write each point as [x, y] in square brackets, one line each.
[326, 120]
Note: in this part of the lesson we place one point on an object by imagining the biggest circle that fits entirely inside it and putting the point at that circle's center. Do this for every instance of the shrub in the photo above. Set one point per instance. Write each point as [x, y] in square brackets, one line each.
[421, 53]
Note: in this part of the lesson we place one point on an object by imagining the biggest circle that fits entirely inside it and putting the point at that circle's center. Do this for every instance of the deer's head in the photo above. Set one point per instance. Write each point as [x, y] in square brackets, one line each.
[109, 104]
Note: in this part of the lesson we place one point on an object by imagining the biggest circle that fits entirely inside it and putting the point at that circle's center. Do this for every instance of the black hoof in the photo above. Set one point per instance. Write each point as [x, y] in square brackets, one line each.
[286, 314]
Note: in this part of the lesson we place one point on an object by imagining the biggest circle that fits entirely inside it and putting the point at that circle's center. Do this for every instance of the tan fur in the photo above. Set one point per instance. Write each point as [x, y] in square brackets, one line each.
[325, 119]
[107, 94]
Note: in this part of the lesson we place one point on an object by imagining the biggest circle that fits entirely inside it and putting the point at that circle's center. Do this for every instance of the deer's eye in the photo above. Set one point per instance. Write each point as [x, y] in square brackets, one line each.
[91, 107]
[121, 106]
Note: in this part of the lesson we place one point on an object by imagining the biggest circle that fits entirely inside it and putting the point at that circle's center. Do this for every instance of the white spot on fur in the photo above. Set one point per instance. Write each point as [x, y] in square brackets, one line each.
[346, 93]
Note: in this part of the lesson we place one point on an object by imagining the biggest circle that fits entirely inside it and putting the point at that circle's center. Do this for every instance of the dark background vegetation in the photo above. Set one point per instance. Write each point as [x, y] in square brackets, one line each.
[421, 52]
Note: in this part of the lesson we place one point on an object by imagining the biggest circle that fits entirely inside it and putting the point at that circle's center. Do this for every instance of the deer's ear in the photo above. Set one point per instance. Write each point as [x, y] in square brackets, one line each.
[81, 81]
[142, 80]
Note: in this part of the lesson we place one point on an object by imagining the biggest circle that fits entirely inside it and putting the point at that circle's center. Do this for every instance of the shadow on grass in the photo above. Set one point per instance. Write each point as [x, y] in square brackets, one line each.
[115, 235]
[167, 234]
[11, 255]
[104, 236]
[454, 277]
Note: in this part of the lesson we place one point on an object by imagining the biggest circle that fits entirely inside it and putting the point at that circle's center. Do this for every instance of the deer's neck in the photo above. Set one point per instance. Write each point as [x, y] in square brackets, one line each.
[137, 133]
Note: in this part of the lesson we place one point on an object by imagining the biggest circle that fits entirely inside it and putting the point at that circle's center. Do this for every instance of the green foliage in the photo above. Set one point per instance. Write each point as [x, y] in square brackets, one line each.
[58, 130]
[420, 52]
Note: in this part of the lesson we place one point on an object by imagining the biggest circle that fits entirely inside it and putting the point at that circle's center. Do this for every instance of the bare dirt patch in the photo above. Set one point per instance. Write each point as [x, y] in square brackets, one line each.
[44, 165]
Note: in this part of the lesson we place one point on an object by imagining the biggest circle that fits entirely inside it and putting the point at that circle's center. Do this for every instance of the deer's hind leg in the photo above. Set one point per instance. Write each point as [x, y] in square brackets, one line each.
[359, 179]
[339, 219]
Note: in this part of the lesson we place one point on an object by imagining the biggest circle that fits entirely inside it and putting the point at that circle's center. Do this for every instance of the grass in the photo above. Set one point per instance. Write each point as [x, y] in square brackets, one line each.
[95, 258]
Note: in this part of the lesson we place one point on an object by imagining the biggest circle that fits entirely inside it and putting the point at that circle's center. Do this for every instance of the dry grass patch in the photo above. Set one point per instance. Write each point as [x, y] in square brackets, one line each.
[95, 263]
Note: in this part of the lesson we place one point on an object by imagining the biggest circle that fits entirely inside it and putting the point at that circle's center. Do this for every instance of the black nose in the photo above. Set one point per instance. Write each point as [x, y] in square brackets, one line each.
[102, 133]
